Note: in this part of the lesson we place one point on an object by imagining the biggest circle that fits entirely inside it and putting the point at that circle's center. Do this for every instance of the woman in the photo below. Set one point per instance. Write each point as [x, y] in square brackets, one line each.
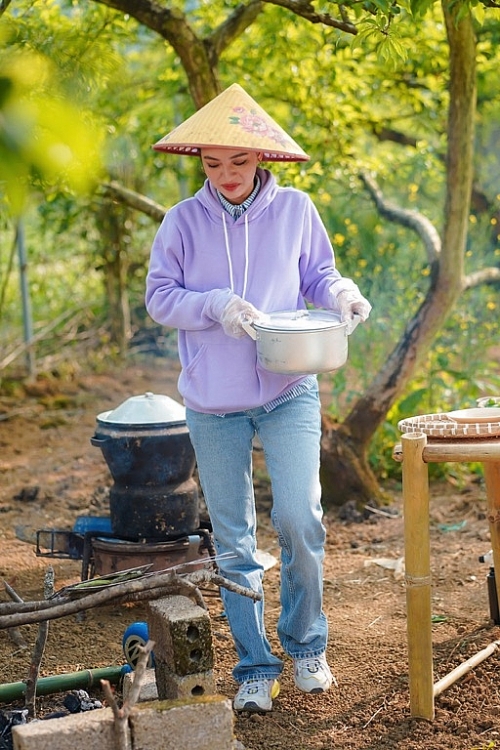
[242, 247]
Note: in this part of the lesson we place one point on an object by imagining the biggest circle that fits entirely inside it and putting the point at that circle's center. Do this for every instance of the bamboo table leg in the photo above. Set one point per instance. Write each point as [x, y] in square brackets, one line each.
[492, 479]
[418, 575]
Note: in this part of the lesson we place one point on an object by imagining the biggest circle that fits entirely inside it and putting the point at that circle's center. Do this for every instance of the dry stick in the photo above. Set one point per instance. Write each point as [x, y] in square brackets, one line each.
[122, 737]
[151, 587]
[381, 708]
[13, 355]
[30, 612]
[464, 668]
[152, 580]
[110, 592]
[41, 640]
[380, 512]
[14, 633]
[147, 579]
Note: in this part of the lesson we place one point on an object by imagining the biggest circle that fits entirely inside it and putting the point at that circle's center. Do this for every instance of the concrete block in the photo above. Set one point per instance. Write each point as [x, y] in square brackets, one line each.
[198, 724]
[182, 634]
[171, 686]
[148, 692]
[204, 723]
[92, 730]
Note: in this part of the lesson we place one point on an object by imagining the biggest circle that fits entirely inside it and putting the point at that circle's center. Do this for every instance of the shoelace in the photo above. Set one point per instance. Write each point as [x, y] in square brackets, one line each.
[255, 686]
[312, 665]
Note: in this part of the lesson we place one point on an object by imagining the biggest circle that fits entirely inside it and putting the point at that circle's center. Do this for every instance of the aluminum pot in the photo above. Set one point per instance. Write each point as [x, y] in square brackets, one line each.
[301, 341]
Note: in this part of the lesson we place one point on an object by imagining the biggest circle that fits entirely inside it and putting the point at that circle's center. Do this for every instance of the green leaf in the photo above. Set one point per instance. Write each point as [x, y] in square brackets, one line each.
[420, 7]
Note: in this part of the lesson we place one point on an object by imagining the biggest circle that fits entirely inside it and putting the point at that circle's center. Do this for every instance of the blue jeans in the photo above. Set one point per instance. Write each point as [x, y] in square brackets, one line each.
[290, 436]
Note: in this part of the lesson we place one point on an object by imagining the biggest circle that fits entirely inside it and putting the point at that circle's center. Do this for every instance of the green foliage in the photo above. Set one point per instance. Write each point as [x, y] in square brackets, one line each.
[420, 7]
[376, 101]
[42, 135]
[383, 37]
[389, 264]
[452, 377]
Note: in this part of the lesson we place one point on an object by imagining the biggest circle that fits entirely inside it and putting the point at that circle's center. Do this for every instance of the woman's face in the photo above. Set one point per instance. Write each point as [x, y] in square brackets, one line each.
[232, 173]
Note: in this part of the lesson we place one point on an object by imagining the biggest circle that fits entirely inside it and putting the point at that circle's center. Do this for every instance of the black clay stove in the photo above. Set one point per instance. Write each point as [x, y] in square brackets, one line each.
[146, 444]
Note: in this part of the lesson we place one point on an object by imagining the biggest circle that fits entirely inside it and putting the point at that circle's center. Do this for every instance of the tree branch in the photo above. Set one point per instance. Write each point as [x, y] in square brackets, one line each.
[305, 9]
[241, 18]
[120, 715]
[149, 586]
[383, 133]
[412, 219]
[38, 651]
[40, 336]
[172, 24]
[484, 276]
[15, 633]
[134, 200]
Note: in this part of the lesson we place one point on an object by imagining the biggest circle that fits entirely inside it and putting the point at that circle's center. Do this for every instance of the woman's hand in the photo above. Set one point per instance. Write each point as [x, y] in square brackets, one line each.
[235, 313]
[352, 303]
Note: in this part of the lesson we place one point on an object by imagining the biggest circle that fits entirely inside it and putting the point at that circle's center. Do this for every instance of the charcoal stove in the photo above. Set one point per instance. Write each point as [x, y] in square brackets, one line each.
[103, 553]
[154, 508]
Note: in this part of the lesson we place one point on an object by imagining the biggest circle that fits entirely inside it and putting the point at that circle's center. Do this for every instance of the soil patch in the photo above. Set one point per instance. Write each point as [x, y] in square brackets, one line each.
[50, 474]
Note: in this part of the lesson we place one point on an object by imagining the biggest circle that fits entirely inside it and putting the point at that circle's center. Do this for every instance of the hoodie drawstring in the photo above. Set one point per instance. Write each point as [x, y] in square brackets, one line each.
[228, 255]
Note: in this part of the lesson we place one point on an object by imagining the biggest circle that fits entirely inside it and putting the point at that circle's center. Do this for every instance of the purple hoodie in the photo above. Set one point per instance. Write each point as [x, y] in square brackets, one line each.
[277, 256]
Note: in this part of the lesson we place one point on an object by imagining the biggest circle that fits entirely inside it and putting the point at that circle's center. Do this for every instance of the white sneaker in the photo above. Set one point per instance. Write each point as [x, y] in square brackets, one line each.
[313, 675]
[256, 695]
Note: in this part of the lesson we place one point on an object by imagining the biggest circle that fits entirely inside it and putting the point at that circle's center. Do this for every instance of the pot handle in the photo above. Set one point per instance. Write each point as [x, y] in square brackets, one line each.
[98, 442]
[248, 328]
[353, 323]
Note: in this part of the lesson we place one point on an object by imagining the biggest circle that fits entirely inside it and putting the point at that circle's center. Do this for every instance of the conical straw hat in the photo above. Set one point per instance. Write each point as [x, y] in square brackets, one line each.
[232, 120]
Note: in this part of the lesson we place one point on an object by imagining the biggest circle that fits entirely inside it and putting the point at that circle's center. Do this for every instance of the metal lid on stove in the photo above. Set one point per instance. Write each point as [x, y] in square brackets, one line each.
[147, 409]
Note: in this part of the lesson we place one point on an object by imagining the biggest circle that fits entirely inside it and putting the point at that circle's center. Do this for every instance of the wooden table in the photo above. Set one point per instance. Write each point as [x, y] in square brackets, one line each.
[416, 451]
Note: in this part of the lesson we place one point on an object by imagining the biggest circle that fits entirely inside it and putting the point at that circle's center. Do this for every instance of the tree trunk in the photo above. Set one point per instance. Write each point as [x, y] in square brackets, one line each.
[116, 274]
[199, 57]
[111, 221]
[346, 473]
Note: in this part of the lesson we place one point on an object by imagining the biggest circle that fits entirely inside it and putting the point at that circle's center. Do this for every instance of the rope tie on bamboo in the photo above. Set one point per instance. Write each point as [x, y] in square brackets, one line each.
[415, 581]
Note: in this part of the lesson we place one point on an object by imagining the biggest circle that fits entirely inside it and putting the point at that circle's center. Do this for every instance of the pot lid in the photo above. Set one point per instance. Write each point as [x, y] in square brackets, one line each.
[299, 321]
[148, 409]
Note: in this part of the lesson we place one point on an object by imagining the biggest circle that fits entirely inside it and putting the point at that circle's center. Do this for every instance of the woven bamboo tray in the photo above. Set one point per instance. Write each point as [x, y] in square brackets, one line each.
[443, 425]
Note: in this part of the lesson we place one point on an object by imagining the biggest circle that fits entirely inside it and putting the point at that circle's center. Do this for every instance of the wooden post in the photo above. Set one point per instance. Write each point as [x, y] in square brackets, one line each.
[418, 575]
[492, 479]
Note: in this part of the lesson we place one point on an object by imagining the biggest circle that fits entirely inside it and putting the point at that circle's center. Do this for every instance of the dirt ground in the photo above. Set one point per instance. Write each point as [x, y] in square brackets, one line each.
[50, 474]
